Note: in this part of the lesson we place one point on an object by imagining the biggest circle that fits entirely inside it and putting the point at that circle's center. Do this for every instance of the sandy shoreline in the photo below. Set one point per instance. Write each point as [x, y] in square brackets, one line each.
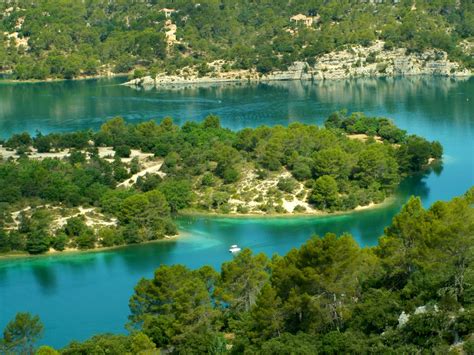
[191, 213]
[316, 214]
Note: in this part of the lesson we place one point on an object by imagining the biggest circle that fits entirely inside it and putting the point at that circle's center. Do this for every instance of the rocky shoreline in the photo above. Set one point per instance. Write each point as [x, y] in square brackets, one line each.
[354, 62]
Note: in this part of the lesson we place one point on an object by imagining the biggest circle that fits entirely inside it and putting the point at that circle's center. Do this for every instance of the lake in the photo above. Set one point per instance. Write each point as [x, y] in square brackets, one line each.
[78, 295]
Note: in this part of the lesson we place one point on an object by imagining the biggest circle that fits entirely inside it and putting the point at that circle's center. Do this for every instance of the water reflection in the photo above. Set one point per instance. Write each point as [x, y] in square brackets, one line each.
[78, 295]
[45, 277]
[415, 186]
[437, 168]
[73, 105]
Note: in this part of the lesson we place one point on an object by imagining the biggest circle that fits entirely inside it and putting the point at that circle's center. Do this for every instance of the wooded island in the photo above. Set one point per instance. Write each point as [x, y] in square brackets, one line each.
[123, 184]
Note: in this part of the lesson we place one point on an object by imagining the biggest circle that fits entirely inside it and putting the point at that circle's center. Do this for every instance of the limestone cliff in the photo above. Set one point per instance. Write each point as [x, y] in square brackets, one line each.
[376, 61]
[353, 62]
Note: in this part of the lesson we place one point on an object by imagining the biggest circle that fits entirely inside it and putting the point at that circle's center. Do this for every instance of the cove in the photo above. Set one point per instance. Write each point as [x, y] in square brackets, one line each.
[78, 295]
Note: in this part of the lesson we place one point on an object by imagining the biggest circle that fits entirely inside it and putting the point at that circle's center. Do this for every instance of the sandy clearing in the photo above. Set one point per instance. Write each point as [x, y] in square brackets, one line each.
[154, 168]
[363, 137]
[104, 152]
[289, 206]
[250, 184]
[93, 218]
[6, 153]
[366, 207]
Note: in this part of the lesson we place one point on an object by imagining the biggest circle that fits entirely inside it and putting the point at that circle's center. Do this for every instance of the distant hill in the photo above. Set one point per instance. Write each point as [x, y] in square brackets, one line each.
[68, 39]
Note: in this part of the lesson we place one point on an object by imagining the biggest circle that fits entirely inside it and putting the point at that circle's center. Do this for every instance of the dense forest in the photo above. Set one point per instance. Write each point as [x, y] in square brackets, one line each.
[67, 39]
[411, 294]
[61, 191]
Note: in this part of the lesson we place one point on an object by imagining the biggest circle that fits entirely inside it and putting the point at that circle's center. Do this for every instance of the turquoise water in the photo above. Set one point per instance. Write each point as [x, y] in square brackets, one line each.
[82, 294]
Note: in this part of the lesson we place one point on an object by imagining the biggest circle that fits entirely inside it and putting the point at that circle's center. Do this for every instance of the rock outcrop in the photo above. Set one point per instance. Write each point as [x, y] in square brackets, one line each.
[354, 62]
[375, 61]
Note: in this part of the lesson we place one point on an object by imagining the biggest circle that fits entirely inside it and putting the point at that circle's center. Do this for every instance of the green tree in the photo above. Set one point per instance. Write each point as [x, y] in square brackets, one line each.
[325, 193]
[122, 151]
[46, 350]
[436, 150]
[75, 226]
[376, 165]
[5, 245]
[286, 184]
[100, 344]
[241, 281]
[37, 242]
[173, 304]
[317, 283]
[270, 155]
[21, 333]
[178, 193]
[42, 143]
[415, 154]
[404, 241]
[211, 121]
[59, 242]
[287, 343]
[267, 318]
[141, 343]
[332, 161]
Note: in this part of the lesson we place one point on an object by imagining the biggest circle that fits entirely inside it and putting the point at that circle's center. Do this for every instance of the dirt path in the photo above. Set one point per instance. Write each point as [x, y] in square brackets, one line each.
[151, 169]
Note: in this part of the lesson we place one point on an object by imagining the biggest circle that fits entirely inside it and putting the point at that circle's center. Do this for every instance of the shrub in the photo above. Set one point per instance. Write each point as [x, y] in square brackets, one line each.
[286, 184]
[371, 58]
[225, 208]
[381, 67]
[299, 209]
[138, 73]
[242, 209]
[123, 151]
[262, 174]
[280, 209]
[208, 179]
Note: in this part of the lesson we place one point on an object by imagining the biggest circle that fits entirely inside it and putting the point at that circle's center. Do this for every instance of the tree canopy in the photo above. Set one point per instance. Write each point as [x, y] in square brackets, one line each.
[412, 293]
[202, 166]
[67, 39]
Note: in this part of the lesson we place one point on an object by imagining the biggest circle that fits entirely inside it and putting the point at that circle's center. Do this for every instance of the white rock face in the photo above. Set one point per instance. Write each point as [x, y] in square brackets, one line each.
[295, 72]
[356, 61]
[403, 319]
[375, 61]
[420, 310]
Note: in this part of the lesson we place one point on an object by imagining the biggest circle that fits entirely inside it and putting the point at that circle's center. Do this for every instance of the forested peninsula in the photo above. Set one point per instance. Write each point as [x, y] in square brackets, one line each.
[187, 41]
[411, 294]
[123, 184]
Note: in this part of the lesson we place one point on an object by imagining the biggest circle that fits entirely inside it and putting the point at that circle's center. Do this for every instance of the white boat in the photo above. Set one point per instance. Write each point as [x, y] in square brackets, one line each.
[234, 249]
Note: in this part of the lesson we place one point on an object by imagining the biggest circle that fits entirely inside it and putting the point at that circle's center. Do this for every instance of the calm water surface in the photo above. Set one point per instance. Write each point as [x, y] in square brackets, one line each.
[82, 294]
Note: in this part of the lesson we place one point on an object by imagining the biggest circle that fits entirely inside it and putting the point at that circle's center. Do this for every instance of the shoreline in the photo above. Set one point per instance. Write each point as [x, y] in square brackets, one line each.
[194, 213]
[56, 80]
[181, 81]
[318, 214]
[217, 81]
[347, 62]
[73, 251]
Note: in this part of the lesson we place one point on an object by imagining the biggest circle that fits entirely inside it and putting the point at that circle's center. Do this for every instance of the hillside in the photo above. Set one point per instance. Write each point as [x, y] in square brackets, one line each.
[411, 294]
[69, 39]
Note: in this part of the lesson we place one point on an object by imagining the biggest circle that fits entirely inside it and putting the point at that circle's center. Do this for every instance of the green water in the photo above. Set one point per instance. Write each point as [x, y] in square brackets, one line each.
[82, 294]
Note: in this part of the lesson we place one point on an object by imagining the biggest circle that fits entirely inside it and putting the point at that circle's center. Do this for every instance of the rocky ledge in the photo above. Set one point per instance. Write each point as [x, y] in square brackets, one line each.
[356, 61]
